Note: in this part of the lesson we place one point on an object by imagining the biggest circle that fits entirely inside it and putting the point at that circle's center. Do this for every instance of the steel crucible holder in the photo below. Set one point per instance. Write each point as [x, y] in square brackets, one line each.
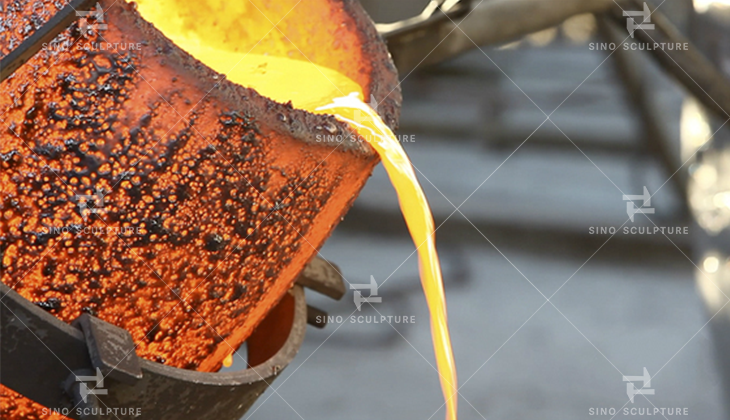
[43, 358]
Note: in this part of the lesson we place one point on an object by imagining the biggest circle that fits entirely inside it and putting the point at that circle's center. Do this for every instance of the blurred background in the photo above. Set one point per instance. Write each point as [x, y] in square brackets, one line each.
[533, 195]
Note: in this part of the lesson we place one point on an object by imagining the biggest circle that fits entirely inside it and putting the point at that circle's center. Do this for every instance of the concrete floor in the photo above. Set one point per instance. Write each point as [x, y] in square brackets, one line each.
[517, 358]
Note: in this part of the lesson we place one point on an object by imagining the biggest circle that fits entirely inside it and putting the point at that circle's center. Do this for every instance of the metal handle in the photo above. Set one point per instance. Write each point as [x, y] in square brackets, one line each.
[28, 48]
[429, 17]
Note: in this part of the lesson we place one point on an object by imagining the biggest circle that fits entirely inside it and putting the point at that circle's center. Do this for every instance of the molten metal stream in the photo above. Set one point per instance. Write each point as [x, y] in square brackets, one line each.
[324, 91]
[306, 85]
[419, 219]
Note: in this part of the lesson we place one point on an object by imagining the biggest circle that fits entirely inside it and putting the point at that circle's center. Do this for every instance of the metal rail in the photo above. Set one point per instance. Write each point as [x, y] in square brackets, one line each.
[31, 45]
[422, 41]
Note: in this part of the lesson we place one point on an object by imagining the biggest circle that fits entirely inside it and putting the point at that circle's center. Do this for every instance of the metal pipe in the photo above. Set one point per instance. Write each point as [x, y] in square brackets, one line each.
[489, 22]
[688, 65]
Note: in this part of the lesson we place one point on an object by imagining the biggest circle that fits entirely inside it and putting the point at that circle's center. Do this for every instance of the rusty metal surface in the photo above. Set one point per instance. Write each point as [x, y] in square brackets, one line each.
[323, 277]
[32, 44]
[384, 85]
[240, 171]
[111, 349]
[234, 187]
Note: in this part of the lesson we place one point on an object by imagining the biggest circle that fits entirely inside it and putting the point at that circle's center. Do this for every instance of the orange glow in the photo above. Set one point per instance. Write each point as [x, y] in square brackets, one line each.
[15, 406]
[321, 90]
[416, 211]
[228, 361]
[197, 181]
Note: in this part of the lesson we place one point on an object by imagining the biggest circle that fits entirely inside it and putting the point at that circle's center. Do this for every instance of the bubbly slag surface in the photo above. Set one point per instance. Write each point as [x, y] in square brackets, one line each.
[321, 90]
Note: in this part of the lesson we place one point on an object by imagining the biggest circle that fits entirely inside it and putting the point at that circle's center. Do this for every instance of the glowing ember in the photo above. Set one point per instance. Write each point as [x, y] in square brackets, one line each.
[228, 361]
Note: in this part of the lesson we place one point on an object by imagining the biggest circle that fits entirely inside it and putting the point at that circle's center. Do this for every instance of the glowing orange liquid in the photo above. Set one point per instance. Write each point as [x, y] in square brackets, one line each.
[228, 361]
[321, 90]
[419, 219]
[413, 202]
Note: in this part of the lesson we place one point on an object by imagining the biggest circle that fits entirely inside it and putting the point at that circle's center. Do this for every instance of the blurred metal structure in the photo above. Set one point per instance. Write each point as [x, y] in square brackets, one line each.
[709, 183]
[633, 76]
[700, 66]
[688, 66]
[447, 28]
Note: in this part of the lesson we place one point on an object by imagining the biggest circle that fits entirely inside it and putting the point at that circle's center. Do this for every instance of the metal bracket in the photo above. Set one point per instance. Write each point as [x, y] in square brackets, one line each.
[41, 357]
[84, 396]
[28, 48]
[111, 348]
[57, 364]
[325, 278]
